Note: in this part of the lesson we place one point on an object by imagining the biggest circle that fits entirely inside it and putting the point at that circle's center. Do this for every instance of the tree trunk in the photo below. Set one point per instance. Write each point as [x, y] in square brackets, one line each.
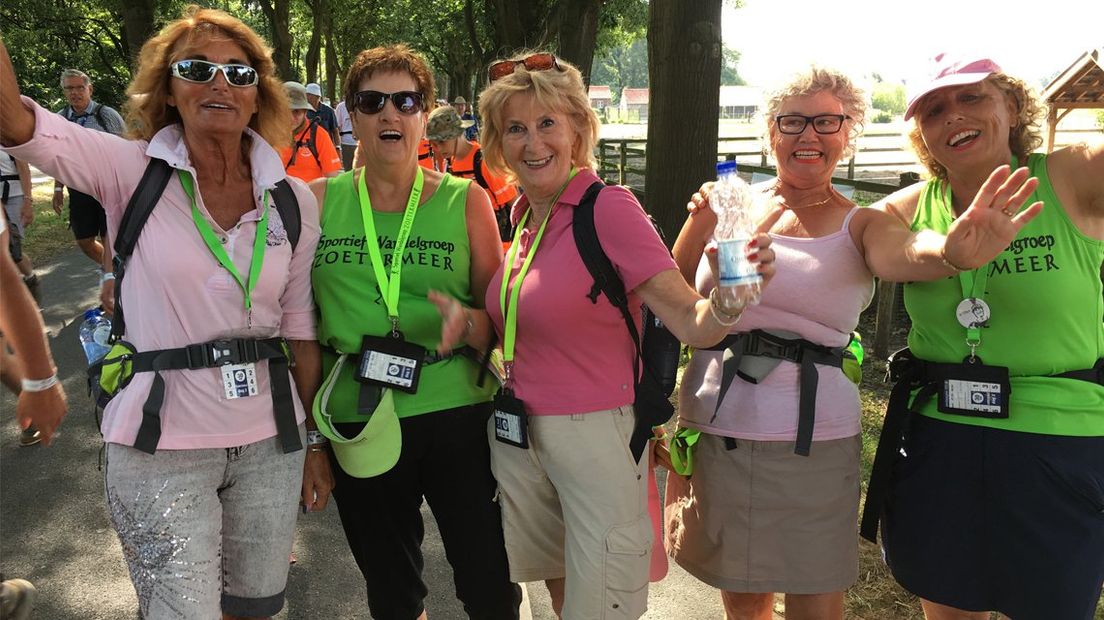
[278, 14]
[137, 26]
[332, 67]
[579, 33]
[314, 48]
[684, 60]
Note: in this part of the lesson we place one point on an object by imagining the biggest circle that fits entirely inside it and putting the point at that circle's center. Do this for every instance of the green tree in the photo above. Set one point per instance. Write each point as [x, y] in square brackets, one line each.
[888, 98]
[730, 75]
[622, 67]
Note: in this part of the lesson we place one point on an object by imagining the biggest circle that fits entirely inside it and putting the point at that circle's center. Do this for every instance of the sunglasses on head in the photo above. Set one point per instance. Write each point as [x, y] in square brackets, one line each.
[537, 62]
[372, 101]
[201, 72]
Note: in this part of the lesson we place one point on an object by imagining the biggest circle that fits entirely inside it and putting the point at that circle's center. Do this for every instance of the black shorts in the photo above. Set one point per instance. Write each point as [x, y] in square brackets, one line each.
[990, 520]
[86, 216]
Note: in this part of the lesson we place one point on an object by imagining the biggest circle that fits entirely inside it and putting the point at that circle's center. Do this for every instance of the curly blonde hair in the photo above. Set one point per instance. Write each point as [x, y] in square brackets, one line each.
[560, 90]
[1024, 136]
[810, 82]
[387, 59]
[147, 109]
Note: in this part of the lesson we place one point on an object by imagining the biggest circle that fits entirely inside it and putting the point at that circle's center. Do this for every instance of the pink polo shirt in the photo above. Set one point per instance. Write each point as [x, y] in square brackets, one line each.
[175, 293]
[574, 356]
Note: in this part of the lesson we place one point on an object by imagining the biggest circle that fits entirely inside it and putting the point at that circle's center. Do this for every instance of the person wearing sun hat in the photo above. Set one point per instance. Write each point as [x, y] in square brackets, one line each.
[464, 158]
[471, 131]
[321, 113]
[994, 498]
[312, 154]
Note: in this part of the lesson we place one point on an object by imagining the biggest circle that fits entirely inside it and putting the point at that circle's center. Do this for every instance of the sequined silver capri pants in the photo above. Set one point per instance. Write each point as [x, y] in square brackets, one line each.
[206, 532]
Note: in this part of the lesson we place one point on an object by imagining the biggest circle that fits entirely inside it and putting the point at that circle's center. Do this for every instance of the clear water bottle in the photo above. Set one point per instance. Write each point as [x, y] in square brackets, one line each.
[95, 331]
[738, 282]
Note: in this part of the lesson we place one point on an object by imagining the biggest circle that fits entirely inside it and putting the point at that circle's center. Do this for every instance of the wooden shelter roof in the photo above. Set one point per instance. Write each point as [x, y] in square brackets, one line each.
[1079, 86]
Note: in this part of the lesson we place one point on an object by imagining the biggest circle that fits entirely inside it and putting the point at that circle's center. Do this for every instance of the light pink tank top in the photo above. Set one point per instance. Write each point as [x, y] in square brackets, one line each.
[820, 287]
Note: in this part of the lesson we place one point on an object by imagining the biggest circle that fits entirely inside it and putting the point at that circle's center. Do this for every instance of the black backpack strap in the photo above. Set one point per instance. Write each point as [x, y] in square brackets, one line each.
[477, 169]
[138, 210]
[287, 205]
[598, 264]
[312, 144]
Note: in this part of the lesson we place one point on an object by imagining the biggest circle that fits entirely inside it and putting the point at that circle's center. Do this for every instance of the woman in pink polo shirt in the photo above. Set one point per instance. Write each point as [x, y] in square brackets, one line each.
[204, 459]
[573, 496]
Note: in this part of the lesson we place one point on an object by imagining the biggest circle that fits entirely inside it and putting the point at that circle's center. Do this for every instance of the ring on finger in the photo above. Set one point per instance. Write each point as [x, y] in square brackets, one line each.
[1008, 212]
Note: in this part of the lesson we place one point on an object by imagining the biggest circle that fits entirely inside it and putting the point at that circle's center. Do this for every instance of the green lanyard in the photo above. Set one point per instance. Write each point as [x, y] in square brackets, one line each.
[509, 313]
[389, 287]
[219, 252]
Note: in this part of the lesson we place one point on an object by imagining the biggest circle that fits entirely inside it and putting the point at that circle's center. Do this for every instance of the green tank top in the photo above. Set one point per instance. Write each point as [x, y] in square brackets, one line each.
[1044, 290]
[348, 297]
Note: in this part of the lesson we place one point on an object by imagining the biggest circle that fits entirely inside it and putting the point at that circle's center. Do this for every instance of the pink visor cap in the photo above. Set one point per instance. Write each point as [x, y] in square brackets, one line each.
[950, 70]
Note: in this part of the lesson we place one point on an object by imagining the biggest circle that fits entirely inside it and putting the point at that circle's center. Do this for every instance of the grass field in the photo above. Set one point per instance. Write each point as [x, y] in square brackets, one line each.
[49, 234]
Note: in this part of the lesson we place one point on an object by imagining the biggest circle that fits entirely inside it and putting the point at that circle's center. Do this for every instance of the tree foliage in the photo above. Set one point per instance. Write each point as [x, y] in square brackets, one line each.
[888, 98]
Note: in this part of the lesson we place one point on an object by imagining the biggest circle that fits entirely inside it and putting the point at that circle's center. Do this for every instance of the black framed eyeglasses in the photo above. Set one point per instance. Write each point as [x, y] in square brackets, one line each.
[535, 62]
[201, 72]
[373, 101]
[793, 124]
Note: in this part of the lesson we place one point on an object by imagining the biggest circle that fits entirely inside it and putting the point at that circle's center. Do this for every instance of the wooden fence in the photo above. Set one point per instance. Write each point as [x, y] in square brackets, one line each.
[622, 160]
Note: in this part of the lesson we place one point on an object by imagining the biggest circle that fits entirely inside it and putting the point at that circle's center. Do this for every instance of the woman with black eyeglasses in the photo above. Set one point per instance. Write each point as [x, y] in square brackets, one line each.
[406, 417]
[204, 457]
[771, 503]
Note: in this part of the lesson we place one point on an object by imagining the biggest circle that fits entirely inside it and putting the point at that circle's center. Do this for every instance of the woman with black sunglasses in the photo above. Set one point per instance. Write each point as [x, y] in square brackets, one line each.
[204, 460]
[413, 427]
[771, 503]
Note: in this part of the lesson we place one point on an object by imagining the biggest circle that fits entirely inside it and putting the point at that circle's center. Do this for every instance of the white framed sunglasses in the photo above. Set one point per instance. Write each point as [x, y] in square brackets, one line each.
[202, 71]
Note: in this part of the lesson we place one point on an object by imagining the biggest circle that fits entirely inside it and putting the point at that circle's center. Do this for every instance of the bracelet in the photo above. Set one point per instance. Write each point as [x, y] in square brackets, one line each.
[40, 385]
[317, 447]
[943, 257]
[469, 325]
[107, 275]
[58, 190]
[316, 438]
[722, 317]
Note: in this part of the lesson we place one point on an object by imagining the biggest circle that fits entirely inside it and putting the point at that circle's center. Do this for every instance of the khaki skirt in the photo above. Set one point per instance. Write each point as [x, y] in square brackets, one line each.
[759, 518]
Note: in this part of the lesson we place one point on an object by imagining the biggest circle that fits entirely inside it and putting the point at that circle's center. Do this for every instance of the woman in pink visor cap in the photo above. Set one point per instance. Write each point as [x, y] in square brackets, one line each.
[989, 477]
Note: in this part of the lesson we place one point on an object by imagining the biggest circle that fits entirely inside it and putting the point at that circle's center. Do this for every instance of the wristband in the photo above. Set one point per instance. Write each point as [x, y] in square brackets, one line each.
[469, 325]
[107, 275]
[316, 438]
[58, 190]
[722, 317]
[943, 257]
[40, 385]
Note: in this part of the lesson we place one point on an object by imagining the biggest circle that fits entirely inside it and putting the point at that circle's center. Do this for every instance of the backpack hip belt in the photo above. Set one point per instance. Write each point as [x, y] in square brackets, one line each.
[911, 373]
[215, 354]
[806, 354]
[6, 179]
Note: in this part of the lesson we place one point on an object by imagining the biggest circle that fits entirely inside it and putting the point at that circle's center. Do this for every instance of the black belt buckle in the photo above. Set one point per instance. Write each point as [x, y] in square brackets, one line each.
[221, 353]
[769, 347]
[898, 364]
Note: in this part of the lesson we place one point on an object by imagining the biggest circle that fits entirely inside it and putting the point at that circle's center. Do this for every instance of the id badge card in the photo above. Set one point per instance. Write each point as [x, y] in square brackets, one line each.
[390, 362]
[239, 380]
[510, 420]
[976, 390]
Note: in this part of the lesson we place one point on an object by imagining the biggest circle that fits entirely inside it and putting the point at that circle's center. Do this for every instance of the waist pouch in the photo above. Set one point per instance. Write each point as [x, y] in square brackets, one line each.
[910, 373]
[114, 372]
[753, 355]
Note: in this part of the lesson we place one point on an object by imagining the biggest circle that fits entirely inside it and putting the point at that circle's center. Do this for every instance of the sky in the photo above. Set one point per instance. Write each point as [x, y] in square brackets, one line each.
[1030, 39]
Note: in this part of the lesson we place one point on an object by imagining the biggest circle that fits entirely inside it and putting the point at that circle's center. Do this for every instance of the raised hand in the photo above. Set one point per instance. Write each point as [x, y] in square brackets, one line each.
[993, 219]
[455, 320]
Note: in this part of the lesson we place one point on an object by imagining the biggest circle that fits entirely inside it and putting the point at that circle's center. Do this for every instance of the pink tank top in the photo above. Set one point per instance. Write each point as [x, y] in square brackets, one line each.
[820, 287]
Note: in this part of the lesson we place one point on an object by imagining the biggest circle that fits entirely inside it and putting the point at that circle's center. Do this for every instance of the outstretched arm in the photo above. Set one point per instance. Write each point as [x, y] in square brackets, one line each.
[17, 123]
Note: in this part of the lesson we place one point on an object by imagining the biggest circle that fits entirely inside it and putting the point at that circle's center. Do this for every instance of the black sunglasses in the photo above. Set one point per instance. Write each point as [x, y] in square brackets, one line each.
[536, 62]
[372, 101]
[794, 124]
[201, 72]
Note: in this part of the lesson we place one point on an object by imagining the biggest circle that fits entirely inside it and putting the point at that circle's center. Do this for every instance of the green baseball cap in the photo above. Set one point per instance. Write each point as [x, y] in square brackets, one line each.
[375, 449]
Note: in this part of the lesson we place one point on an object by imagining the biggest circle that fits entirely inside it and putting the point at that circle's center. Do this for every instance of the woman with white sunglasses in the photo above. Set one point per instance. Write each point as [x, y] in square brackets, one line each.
[204, 459]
